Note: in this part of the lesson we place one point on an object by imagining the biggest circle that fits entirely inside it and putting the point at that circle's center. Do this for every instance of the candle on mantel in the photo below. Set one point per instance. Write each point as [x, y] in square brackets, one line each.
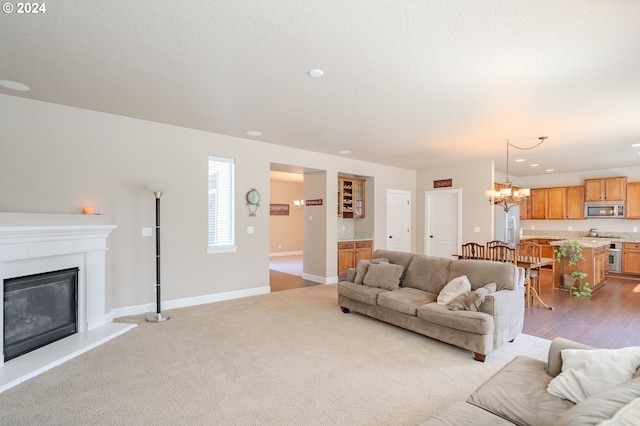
[88, 210]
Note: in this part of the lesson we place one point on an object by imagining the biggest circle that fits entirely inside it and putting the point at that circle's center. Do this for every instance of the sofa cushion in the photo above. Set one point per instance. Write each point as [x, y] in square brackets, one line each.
[587, 372]
[481, 272]
[405, 300]
[363, 266]
[454, 288]
[469, 321]
[518, 393]
[383, 275]
[620, 402]
[428, 273]
[397, 257]
[472, 300]
[359, 292]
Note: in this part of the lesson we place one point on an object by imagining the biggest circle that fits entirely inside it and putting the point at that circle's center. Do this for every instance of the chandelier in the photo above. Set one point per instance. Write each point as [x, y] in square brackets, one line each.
[507, 196]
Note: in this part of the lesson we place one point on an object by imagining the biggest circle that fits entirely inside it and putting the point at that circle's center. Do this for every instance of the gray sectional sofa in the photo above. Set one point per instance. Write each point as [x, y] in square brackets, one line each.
[411, 301]
[517, 394]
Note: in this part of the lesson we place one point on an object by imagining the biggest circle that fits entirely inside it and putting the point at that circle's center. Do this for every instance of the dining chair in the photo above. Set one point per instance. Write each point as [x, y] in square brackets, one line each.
[502, 253]
[493, 243]
[531, 252]
[472, 251]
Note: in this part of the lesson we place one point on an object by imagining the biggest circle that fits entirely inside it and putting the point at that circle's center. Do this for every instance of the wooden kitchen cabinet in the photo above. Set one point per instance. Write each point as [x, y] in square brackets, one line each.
[350, 252]
[525, 209]
[363, 250]
[565, 202]
[575, 202]
[351, 197]
[630, 258]
[538, 199]
[595, 264]
[633, 200]
[605, 189]
[346, 256]
[547, 248]
[600, 265]
[556, 203]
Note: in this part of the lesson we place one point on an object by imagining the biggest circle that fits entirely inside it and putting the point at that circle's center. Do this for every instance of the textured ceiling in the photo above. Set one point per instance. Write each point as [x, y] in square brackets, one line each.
[411, 83]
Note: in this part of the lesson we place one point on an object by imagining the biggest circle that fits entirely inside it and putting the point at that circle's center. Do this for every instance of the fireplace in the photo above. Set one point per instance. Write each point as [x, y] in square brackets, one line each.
[39, 309]
[35, 243]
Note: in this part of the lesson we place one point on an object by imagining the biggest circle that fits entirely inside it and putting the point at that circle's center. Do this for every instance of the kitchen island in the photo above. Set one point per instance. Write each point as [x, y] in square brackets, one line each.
[595, 263]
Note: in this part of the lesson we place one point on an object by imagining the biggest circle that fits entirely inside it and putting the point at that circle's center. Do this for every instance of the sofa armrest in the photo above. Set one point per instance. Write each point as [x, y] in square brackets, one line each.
[521, 277]
[351, 274]
[554, 363]
[507, 309]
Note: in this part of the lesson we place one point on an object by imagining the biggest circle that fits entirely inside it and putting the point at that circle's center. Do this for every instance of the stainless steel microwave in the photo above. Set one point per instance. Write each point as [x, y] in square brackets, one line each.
[604, 210]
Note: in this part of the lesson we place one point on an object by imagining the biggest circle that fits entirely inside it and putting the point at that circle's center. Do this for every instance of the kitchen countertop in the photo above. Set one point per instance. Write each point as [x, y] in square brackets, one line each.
[622, 238]
[585, 241]
[358, 236]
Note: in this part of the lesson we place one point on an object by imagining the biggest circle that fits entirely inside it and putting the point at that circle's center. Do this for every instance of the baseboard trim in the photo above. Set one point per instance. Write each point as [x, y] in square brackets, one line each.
[189, 301]
[286, 253]
[319, 279]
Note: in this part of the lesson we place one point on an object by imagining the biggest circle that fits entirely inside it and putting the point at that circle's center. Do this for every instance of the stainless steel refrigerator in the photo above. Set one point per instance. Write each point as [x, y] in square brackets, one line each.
[506, 225]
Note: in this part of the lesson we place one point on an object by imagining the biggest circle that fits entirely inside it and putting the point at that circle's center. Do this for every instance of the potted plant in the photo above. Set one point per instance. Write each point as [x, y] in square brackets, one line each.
[572, 251]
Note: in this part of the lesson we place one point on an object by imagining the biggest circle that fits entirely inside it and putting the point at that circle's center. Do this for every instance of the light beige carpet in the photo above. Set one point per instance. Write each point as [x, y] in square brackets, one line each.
[284, 358]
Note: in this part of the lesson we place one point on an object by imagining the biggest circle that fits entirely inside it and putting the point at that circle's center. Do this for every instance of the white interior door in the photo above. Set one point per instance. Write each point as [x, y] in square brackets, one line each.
[398, 220]
[443, 226]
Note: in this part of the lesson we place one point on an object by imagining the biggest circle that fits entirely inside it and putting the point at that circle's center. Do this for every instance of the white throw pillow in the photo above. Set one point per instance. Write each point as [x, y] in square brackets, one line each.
[587, 372]
[627, 415]
[453, 289]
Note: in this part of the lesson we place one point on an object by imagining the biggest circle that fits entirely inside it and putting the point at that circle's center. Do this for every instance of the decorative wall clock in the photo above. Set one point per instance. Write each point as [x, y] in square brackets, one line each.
[253, 201]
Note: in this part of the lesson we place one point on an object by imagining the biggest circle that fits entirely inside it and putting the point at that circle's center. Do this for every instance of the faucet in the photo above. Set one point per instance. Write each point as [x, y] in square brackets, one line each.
[593, 233]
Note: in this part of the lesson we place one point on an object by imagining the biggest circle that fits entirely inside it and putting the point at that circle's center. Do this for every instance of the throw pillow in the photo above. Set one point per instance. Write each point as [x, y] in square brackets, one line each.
[471, 301]
[613, 405]
[587, 372]
[383, 275]
[627, 415]
[363, 265]
[453, 289]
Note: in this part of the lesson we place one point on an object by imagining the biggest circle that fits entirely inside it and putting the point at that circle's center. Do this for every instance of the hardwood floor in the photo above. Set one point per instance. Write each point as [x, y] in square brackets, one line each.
[610, 318]
[279, 281]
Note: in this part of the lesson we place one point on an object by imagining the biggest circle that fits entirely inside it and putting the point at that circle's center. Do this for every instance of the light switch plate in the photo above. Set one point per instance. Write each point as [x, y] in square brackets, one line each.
[249, 229]
[476, 229]
[146, 232]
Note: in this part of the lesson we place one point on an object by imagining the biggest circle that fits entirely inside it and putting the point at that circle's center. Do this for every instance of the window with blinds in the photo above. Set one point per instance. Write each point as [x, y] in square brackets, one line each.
[221, 204]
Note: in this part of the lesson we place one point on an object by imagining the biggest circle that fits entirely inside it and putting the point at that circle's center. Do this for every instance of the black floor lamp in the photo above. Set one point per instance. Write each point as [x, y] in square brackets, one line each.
[158, 316]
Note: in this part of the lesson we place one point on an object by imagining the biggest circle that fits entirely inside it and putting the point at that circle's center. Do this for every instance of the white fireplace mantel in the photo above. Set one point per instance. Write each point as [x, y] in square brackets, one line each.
[33, 249]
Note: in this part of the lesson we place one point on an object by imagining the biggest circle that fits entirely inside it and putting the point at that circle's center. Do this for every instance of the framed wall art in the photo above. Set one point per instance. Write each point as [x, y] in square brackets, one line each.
[279, 209]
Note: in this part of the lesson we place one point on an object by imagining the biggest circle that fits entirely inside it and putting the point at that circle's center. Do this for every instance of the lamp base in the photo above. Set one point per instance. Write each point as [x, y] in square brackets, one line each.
[158, 317]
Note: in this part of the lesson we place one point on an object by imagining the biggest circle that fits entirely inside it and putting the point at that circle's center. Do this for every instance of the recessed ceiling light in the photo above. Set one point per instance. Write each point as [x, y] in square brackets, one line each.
[635, 145]
[535, 165]
[316, 72]
[254, 133]
[549, 170]
[14, 85]
[344, 151]
[519, 160]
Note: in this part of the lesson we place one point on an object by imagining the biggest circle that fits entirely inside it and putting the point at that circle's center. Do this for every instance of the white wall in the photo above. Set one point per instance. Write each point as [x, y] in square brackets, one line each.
[474, 179]
[57, 159]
